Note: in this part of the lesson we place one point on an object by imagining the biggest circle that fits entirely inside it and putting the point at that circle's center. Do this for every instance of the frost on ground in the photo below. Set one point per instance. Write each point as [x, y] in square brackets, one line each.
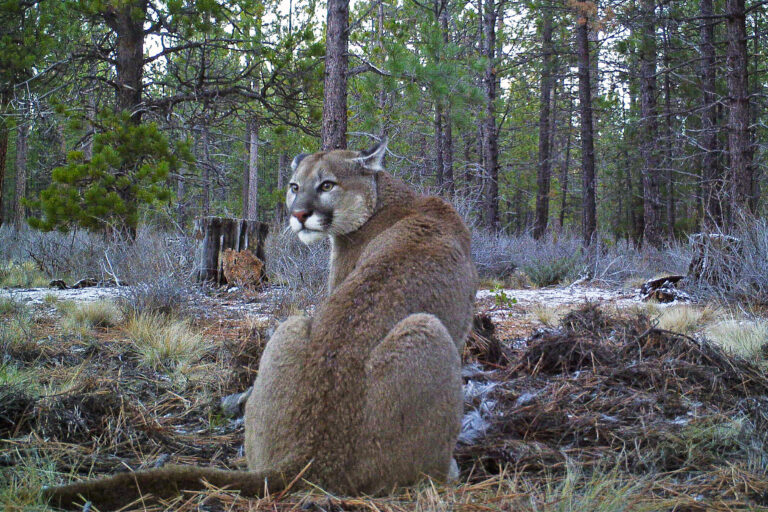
[555, 296]
[34, 296]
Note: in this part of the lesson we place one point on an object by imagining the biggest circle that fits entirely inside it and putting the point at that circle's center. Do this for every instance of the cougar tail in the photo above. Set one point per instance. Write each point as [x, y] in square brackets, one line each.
[120, 490]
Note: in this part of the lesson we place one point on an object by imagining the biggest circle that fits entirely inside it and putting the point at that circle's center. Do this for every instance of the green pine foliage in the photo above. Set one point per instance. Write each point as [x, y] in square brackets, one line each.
[128, 171]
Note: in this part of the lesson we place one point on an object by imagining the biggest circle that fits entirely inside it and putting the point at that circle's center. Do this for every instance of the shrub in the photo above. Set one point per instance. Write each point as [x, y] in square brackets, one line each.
[736, 271]
[559, 257]
[556, 271]
[161, 341]
[300, 271]
[165, 295]
[153, 255]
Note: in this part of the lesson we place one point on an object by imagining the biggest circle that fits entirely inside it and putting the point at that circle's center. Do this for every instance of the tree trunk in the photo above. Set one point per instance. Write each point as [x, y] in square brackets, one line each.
[669, 174]
[246, 170]
[755, 109]
[447, 145]
[589, 207]
[282, 170]
[711, 172]
[334, 129]
[439, 146]
[251, 206]
[90, 116]
[22, 148]
[206, 170]
[490, 134]
[4, 100]
[594, 55]
[450, 187]
[544, 171]
[739, 147]
[566, 165]
[652, 229]
[129, 64]
[181, 214]
[218, 234]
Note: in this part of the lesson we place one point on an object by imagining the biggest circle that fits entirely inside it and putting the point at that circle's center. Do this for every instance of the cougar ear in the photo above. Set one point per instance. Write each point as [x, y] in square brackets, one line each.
[297, 160]
[372, 158]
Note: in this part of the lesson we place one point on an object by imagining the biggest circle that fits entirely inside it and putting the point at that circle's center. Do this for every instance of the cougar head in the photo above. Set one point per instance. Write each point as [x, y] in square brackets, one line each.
[332, 193]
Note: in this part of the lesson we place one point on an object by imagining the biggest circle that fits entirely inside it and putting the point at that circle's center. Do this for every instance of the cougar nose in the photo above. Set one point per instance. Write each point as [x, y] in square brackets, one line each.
[302, 215]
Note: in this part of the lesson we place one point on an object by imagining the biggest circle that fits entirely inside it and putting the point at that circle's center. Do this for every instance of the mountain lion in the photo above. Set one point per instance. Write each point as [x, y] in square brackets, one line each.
[366, 395]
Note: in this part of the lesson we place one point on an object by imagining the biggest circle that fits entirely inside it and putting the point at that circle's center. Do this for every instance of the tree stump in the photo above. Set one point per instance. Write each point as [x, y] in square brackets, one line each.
[219, 234]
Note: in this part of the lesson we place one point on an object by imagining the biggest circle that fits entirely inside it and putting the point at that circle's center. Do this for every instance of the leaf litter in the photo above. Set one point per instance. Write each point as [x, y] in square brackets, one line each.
[677, 414]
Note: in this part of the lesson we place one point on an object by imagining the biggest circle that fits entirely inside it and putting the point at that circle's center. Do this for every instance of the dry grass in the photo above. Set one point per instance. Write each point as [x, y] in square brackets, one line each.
[85, 316]
[748, 338]
[547, 315]
[9, 306]
[22, 275]
[603, 414]
[164, 342]
[685, 318]
[16, 330]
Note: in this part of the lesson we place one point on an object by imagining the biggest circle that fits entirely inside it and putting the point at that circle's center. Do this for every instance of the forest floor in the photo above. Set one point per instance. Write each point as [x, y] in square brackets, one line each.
[577, 398]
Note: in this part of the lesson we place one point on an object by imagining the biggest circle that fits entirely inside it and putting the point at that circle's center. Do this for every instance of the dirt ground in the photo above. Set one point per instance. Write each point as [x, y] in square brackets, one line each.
[575, 400]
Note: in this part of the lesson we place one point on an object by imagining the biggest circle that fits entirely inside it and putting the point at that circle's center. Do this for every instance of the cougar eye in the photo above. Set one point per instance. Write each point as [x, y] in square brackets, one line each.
[326, 186]
[294, 187]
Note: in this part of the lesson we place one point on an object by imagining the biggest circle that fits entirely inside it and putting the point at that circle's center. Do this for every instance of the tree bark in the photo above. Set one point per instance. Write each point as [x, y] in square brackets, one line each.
[711, 171]
[447, 141]
[282, 170]
[206, 170]
[181, 214]
[449, 187]
[490, 132]
[334, 129]
[22, 151]
[439, 146]
[545, 165]
[566, 166]
[129, 64]
[251, 206]
[90, 117]
[669, 174]
[589, 207]
[4, 100]
[739, 138]
[652, 229]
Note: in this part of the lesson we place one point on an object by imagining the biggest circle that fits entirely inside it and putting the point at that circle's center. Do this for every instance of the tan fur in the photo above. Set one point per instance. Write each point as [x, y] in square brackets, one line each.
[369, 390]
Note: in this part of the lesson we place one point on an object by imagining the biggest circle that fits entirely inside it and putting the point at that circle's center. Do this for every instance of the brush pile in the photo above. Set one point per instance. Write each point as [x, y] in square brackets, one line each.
[617, 391]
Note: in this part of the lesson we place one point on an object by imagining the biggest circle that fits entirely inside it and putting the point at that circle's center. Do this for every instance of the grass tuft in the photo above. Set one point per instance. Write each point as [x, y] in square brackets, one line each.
[163, 342]
[685, 318]
[9, 306]
[747, 338]
[547, 315]
[17, 330]
[22, 275]
[21, 486]
[90, 314]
